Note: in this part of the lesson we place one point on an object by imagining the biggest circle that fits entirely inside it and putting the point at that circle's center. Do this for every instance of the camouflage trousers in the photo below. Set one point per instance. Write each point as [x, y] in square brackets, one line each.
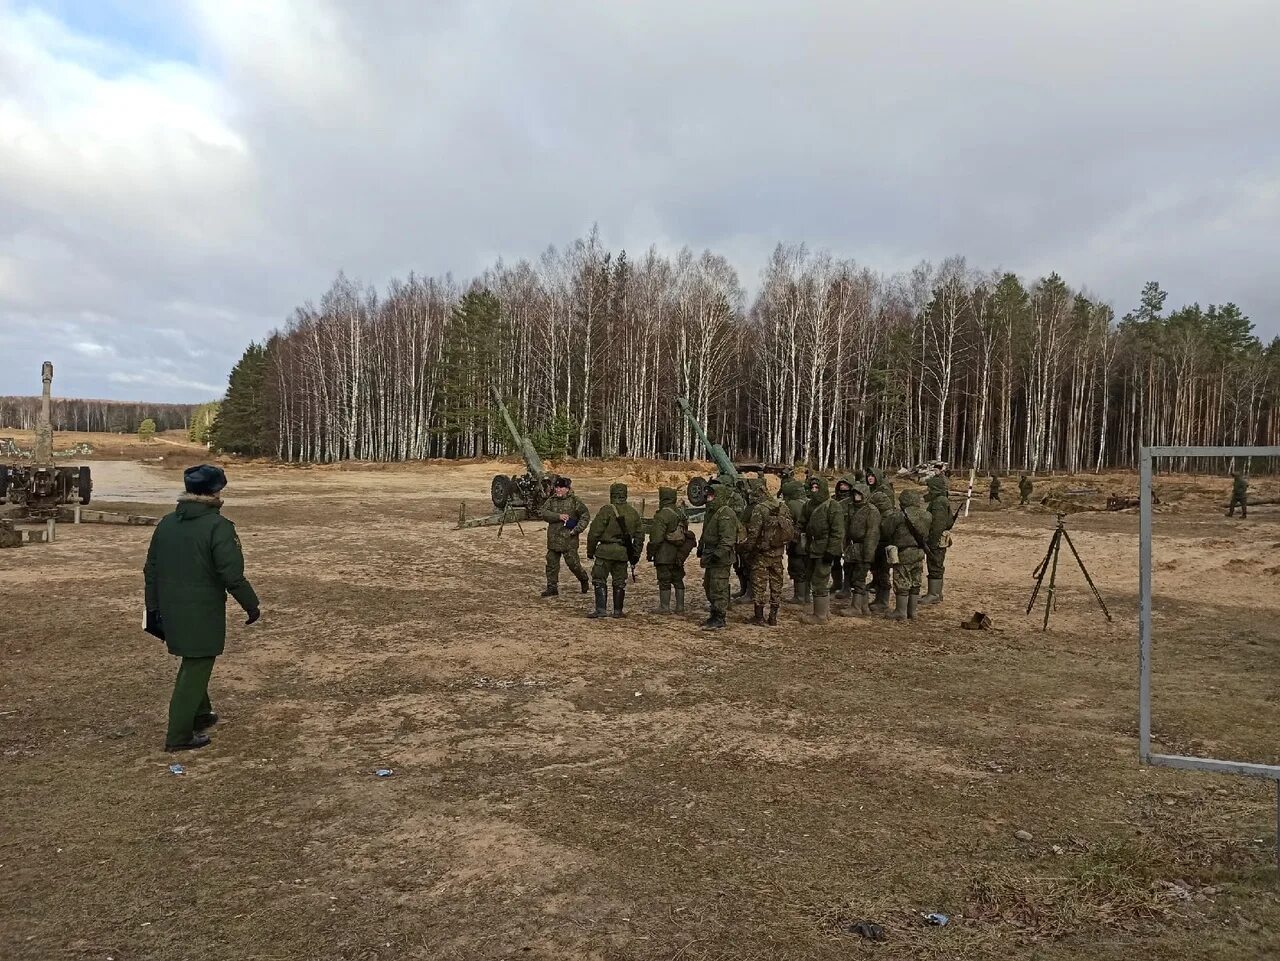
[1241, 501]
[907, 573]
[571, 561]
[766, 579]
[881, 575]
[937, 561]
[819, 577]
[855, 573]
[715, 581]
[603, 570]
[669, 575]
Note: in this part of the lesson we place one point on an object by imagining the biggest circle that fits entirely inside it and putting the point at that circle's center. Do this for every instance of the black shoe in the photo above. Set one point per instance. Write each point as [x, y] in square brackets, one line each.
[758, 618]
[205, 721]
[585, 582]
[197, 741]
[551, 591]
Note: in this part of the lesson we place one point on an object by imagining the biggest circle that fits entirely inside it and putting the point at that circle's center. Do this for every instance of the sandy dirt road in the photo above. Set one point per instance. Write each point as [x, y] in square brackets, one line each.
[635, 789]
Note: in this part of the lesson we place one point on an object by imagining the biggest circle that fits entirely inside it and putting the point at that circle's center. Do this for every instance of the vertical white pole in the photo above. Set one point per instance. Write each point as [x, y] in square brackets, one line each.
[1144, 607]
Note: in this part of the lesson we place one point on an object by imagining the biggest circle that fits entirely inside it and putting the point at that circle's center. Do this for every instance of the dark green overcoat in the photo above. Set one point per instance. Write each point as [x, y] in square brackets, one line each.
[193, 563]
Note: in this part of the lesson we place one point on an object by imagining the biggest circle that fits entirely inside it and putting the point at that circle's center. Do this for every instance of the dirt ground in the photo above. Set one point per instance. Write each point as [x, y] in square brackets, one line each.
[634, 789]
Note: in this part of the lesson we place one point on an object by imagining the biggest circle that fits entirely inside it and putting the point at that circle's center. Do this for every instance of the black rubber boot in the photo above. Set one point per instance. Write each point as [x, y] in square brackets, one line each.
[758, 619]
[899, 612]
[773, 615]
[197, 741]
[601, 594]
[585, 582]
[551, 591]
[881, 603]
[664, 601]
[679, 600]
[935, 592]
[619, 597]
[795, 593]
[714, 621]
[912, 599]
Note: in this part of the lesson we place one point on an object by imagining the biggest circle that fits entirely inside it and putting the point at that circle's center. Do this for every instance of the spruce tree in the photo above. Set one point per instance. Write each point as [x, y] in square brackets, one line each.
[240, 426]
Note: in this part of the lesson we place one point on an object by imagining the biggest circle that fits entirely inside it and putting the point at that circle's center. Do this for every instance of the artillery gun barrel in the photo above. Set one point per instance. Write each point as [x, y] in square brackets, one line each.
[523, 444]
[714, 451]
[43, 454]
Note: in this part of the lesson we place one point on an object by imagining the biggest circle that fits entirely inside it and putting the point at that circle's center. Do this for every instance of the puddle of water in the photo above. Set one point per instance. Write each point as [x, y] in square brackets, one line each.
[131, 482]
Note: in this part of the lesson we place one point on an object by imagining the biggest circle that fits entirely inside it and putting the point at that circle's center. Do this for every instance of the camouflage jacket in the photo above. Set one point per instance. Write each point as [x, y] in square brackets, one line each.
[862, 527]
[615, 523]
[666, 530]
[910, 527]
[559, 537]
[940, 517]
[719, 536]
[824, 524]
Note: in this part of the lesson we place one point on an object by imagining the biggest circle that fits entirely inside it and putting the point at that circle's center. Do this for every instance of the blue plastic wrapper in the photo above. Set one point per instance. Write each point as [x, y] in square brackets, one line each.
[384, 772]
[941, 920]
[177, 769]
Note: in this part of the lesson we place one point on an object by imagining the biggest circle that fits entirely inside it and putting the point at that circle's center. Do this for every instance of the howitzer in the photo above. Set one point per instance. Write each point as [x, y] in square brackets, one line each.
[41, 488]
[524, 491]
[727, 470]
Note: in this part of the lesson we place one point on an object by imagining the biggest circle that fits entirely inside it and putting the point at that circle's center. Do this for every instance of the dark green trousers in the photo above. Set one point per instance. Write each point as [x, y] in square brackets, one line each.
[190, 698]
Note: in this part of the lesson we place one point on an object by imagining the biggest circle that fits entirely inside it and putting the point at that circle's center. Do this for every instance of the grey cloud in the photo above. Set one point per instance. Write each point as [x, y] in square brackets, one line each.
[1115, 143]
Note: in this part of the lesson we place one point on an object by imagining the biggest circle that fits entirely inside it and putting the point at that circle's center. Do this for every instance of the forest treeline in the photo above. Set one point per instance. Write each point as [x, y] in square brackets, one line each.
[831, 363]
[107, 416]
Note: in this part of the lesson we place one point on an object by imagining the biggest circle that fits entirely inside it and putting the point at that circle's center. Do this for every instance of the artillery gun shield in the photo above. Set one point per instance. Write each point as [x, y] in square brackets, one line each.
[500, 489]
[697, 491]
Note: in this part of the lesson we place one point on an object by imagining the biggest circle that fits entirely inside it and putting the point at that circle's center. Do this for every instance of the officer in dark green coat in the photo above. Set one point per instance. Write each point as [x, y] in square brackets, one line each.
[614, 542]
[938, 538]
[566, 516]
[667, 549]
[193, 563]
[1239, 495]
[716, 551]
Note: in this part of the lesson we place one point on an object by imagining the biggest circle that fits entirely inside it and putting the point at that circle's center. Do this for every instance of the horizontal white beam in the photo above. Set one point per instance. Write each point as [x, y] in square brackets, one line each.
[1271, 771]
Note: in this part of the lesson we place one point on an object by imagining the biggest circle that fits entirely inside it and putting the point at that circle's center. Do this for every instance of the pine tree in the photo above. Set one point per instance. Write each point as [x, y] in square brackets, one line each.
[241, 423]
[147, 430]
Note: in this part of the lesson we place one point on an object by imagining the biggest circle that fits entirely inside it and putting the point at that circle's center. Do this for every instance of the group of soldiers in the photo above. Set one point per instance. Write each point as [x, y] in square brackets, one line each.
[858, 543]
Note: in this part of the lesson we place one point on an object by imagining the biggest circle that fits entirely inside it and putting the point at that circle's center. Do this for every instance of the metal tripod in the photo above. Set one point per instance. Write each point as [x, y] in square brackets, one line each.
[1055, 546]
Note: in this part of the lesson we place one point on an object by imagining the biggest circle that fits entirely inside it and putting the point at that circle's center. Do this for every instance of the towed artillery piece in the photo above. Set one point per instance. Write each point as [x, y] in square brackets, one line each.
[41, 493]
[515, 497]
[726, 470]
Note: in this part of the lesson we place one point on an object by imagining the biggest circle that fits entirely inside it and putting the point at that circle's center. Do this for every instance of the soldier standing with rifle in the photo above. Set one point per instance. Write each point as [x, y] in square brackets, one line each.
[716, 553]
[614, 542]
[792, 495]
[939, 535]
[824, 535]
[862, 537]
[669, 545]
[566, 516]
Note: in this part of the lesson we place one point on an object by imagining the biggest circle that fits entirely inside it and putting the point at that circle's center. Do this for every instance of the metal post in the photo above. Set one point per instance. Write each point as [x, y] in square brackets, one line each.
[49, 526]
[76, 511]
[1144, 606]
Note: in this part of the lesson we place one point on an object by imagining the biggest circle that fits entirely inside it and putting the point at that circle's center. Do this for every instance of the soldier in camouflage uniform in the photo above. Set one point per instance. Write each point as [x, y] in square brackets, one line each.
[839, 587]
[793, 495]
[716, 552]
[739, 494]
[862, 538]
[614, 542]
[666, 550]
[1239, 495]
[937, 536]
[994, 494]
[1025, 488]
[824, 540]
[910, 527]
[881, 573]
[765, 545]
[566, 516]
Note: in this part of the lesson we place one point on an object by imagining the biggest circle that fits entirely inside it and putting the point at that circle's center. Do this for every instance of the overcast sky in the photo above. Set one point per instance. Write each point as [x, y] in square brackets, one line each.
[176, 177]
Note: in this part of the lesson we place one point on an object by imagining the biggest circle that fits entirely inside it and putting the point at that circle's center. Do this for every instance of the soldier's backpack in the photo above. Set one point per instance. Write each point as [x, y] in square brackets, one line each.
[779, 526]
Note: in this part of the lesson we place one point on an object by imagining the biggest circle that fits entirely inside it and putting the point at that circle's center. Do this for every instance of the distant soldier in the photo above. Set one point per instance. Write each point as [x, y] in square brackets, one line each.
[669, 546]
[1025, 487]
[824, 539]
[716, 552]
[910, 528]
[839, 588]
[995, 488]
[793, 495]
[193, 563]
[881, 572]
[566, 516]
[938, 534]
[769, 531]
[862, 537]
[1239, 495]
[614, 542]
